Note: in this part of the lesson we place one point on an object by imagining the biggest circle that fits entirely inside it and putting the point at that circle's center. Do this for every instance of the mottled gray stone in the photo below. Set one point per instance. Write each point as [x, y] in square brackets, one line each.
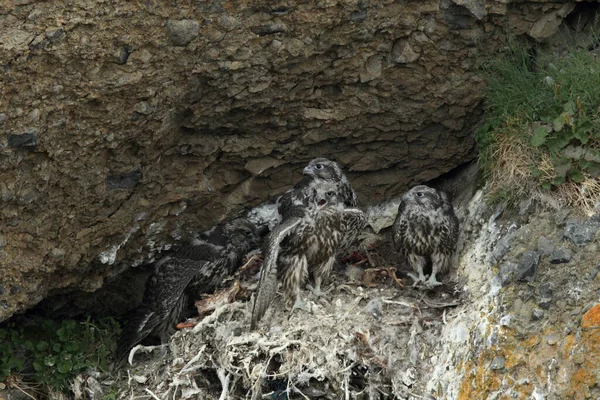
[403, 53]
[527, 268]
[537, 314]
[143, 108]
[498, 363]
[560, 256]
[502, 247]
[545, 245]
[183, 31]
[26, 140]
[581, 233]
[126, 180]
[507, 272]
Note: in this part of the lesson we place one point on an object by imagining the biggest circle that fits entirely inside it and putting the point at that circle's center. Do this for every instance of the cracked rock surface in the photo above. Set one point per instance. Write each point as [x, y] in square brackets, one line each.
[125, 122]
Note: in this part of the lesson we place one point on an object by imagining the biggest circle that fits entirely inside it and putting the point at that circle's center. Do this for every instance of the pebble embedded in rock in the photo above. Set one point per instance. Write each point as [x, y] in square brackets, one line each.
[269, 29]
[57, 253]
[497, 363]
[578, 358]
[403, 53]
[143, 108]
[528, 266]
[582, 232]
[552, 339]
[561, 217]
[546, 295]
[126, 180]
[2, 118]
[122, 54]
[545, 290]
[1, 289]
[560, 256]
[26, 140]
[537, 314]
[183, 31]
[55, 34]
[545, 245]
[358, 16]
[507, 272]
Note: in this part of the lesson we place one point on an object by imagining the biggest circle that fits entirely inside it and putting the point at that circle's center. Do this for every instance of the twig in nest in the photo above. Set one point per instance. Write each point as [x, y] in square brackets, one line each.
[224, 378]
[354, 304]
[251, 260]
[155, 397]
[215, 315]
[187, 368]
[400, 303]
[439, 304]
[299, 391]
[145, 349]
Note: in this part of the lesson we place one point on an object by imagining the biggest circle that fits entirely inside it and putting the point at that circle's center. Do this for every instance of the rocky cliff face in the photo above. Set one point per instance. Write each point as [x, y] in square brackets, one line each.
[127, 123]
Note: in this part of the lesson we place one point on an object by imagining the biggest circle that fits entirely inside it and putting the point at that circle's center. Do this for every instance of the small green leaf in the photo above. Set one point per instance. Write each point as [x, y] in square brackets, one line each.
[50, 361]
[574, 152]
[539, 136]
[561, 170]
[576, 175]
[16, 362]
[38, 366]
[65, 366]
[546, 185]
[556, 144]
[72, 347]
[570, 107]
[56, 347]
[592, 155]
[559, 123]
[42, 345]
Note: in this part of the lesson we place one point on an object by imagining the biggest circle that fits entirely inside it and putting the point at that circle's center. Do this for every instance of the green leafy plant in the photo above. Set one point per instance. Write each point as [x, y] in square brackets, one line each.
[54, 352]
[544, 109]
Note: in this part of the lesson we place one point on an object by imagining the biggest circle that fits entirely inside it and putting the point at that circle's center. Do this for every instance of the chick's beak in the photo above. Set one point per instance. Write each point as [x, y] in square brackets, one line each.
[308, 170]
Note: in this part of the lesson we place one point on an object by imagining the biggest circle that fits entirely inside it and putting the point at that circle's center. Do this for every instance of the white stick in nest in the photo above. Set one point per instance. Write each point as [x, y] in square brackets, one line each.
[224, 377]
[216, 314]
[155, 397]
[145, 349]
[187, 368]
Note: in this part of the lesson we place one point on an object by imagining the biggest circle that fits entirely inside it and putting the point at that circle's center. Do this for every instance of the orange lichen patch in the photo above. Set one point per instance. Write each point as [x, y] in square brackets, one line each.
[531, 341]
[480, 381]
[524, 391]
[514, 358]
[580, 382]
[591, 319]
[567, 345]
[586, 377]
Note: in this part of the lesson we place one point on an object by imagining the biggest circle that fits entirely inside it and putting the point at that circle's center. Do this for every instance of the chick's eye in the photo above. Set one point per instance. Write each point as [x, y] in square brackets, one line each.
[330, 194]
[319, 166]
[419, 194]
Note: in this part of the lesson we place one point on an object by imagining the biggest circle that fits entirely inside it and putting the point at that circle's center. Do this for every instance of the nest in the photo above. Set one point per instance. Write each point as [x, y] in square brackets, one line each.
[367, 339]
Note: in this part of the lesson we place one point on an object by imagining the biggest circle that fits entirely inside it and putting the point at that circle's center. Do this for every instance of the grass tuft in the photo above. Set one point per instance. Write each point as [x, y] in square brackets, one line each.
[542, 127]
